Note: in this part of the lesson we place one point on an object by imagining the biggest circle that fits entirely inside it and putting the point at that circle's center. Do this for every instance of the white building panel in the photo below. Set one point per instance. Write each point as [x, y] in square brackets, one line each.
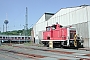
[34, 29]
[85, 14]
[81, 15]
[71, 19]
[43, 26]
[42, 19]
[88, 12]
[62, 12]
[89, 33]
[49, 22]
[53, 21]
[56, 15]
[63, 21]
[73, 16]
[58, 19]
[67, 19]
[40, 27]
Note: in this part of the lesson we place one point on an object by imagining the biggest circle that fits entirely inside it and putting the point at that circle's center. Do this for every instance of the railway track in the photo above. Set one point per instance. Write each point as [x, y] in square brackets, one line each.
[55, 51]
[33, 56]
[5, 56]
[39, 53]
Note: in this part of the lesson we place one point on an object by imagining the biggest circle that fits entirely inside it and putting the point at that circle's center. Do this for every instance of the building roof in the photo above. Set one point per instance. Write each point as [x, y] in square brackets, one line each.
[50, 13]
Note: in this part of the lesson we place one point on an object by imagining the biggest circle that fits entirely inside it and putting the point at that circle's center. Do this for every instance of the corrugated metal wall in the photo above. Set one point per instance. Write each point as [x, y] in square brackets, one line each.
[89, 32]
[88, 16]
[69, 16]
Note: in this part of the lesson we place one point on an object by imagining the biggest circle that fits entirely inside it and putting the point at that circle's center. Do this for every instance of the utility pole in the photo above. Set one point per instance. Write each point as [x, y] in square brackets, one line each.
[26, 31]
[26, 18]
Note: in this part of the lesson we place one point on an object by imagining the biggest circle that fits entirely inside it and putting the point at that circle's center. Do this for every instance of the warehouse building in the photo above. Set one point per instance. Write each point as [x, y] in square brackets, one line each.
[72, 16]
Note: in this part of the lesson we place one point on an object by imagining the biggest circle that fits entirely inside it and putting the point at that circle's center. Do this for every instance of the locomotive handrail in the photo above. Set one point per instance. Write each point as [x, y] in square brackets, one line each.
[75, 42]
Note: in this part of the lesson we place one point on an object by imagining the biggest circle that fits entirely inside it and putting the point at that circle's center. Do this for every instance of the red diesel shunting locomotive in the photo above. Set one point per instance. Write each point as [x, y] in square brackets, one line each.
[61, 36]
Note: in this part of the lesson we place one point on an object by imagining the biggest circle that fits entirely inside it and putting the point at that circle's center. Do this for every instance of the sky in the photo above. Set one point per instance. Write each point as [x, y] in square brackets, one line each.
[15, 10]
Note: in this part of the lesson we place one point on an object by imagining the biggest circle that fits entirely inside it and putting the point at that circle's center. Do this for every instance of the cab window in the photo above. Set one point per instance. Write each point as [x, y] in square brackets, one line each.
[47, 28]
[54, 27]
